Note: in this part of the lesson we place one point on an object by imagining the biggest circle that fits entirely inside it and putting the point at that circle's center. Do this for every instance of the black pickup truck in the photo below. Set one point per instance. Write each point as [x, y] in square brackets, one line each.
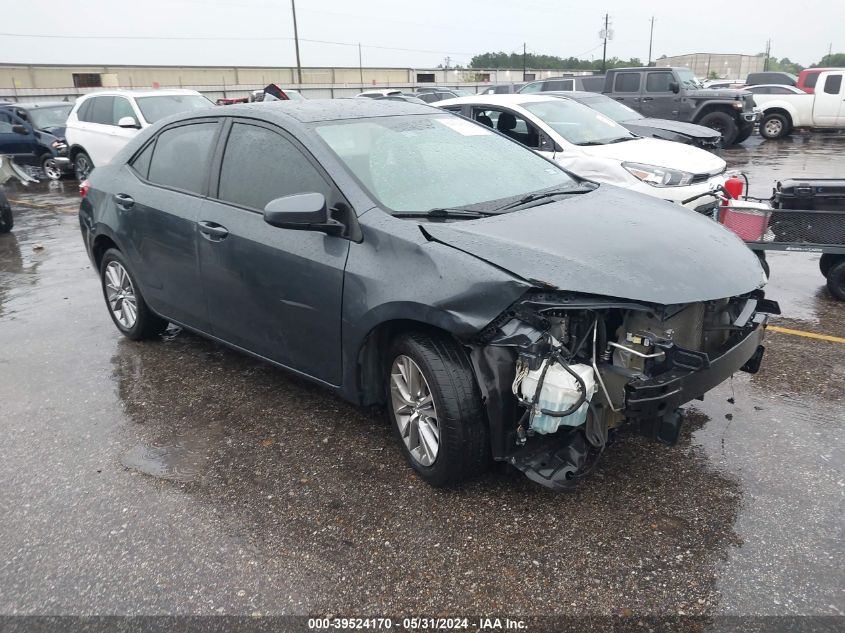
[675, 93]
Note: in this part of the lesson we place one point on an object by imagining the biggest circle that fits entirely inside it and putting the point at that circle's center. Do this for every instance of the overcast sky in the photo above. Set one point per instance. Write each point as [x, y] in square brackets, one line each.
[428, 31]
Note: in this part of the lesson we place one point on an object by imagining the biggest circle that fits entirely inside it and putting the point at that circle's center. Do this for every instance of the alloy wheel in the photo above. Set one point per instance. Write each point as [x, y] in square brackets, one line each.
[121, 295]
[414, 410]
[51, 170]
[83, 167]
[774, 127]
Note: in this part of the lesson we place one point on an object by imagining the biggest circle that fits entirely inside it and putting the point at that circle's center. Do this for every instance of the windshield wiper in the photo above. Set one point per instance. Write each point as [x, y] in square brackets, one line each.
[585, 143]
[443, 212]
[540, 195]
[622, 139]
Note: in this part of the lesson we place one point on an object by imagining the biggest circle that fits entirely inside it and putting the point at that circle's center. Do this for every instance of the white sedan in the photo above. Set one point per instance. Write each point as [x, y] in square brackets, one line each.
[595, 147]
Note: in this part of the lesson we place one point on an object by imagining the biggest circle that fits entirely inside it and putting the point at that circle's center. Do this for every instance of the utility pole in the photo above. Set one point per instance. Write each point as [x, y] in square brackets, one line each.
[829, 52]
[523, 61]
[768, 54]
[360, 65]
[296, 43]
[604, 50]
[650, 40]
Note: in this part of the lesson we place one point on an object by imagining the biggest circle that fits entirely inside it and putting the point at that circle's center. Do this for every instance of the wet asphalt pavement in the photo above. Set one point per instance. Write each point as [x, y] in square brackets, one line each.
[179, 477]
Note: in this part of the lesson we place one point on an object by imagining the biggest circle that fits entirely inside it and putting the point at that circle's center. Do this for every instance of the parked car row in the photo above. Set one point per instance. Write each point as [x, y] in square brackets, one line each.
[497, 305]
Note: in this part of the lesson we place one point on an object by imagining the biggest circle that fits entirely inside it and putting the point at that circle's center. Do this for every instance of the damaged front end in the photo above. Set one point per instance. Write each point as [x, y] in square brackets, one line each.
[560, 371]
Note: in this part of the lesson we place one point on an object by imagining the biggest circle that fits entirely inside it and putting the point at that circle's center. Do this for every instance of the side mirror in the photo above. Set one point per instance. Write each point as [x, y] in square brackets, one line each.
[675, 87]
[302, 212]
[129, 122]
[20, 129]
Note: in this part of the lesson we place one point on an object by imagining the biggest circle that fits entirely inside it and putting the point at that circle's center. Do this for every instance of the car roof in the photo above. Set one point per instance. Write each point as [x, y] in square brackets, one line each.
[38, 104]
[512, 99]
[575, 94]
[140, 93]
[315, 110]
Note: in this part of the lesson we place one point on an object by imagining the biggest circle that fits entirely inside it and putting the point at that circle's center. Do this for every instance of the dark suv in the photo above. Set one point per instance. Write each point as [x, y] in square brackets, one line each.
[675, 93]
[34, 133]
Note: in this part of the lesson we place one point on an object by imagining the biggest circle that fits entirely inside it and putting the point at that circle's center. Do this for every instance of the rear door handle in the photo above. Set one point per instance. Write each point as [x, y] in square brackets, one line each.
[212, 231]
[124, 201]
[648, 99]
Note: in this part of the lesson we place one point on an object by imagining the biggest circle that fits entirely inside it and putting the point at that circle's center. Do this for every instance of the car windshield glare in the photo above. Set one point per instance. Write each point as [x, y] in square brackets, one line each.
[613, 109]
[422, 162]
[577, 123]
[53, 116]
[161, 106]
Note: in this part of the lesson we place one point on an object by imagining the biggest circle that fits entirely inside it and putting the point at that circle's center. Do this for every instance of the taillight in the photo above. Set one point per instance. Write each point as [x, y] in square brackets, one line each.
[83, 188]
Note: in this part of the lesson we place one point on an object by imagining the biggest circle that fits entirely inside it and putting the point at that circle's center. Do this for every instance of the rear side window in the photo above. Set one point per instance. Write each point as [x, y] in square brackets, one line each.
[141, 163]
[102, 110]
[182, 156]
[558, 84]
[658, 82]
[260, 165]
[627, 82]
[833, 84]
[811, 79]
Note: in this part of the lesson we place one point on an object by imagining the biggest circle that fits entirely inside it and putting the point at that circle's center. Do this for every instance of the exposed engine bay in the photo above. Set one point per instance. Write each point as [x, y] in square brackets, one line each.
[563, 371]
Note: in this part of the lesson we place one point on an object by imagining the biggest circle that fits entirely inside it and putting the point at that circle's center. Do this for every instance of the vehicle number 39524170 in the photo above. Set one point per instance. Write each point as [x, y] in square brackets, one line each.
[410, 623]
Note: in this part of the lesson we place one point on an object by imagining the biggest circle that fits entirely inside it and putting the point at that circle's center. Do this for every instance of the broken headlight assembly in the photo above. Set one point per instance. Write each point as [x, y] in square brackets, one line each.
[658, 176]
[564, 371]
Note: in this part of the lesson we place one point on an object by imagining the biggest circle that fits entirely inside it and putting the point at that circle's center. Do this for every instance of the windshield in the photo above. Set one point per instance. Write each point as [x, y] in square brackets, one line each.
[423, 162]
[161, 106]
[52, 116]
[612, 108]
[294, 95]
[577, 123]
[688, 79]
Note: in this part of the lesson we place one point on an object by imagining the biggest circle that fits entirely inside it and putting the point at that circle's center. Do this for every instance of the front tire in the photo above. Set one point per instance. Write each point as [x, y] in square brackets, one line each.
[82, 166]
[774, 126]
[723, 123]
[50, 168]
[126, 305]
[744, 133]
[7, 220]
[435, 408]
[836, 280]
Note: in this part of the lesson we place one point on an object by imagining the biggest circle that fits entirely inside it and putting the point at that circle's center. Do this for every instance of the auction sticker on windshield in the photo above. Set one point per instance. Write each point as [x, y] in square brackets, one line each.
[462, 126]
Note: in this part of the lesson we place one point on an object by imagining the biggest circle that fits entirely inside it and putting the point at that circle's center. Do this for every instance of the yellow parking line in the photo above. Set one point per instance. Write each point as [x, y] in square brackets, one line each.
[37, 205]
[820, 337]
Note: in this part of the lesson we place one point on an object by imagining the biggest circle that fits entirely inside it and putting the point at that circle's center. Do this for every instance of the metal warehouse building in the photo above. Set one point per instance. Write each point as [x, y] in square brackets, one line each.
[726, 66]
[29, 82]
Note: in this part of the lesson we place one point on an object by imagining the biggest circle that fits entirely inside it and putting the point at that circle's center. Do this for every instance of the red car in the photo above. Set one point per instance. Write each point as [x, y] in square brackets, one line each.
[808, 77]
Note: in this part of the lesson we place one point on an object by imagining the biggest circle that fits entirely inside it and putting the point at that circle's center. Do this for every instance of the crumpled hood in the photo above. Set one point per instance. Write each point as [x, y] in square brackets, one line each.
[614, 243]
[679, 127]
[653, 151]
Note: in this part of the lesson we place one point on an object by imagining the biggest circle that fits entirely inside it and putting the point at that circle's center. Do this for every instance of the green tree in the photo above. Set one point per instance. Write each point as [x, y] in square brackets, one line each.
[515, 60]
[837, 60]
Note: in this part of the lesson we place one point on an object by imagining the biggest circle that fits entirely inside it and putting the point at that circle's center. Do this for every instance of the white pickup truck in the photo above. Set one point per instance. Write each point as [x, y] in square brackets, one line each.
[782, 113]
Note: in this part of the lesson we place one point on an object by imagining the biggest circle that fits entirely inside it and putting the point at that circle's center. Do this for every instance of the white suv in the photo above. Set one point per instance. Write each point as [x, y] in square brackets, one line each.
[101, 123]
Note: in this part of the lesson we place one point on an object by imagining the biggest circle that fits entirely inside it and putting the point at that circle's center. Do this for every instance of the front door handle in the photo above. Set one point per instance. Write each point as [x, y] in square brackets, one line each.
[124, 201]
[212, 231]
[648, 98]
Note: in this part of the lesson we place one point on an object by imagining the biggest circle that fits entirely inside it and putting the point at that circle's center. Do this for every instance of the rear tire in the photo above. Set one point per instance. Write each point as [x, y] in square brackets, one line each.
[774, 126]
[7, 220]
[463, 445]
[836, 280]
[723, 123]
[82, 166]
[124, 300]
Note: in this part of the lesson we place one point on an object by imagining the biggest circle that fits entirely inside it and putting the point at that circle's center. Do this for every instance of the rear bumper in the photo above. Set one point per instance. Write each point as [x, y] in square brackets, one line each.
[654, 397]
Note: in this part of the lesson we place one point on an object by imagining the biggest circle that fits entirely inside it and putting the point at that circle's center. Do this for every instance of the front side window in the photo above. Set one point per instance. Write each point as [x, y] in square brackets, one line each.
[627, 82]
[182, 156]
[611, 108]
[537, 86]
[420, 162]
[161, 106]
[260, 165]
[559, 84]
[658, 82]
[833, 84]
[122, 108]
[577, 123]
